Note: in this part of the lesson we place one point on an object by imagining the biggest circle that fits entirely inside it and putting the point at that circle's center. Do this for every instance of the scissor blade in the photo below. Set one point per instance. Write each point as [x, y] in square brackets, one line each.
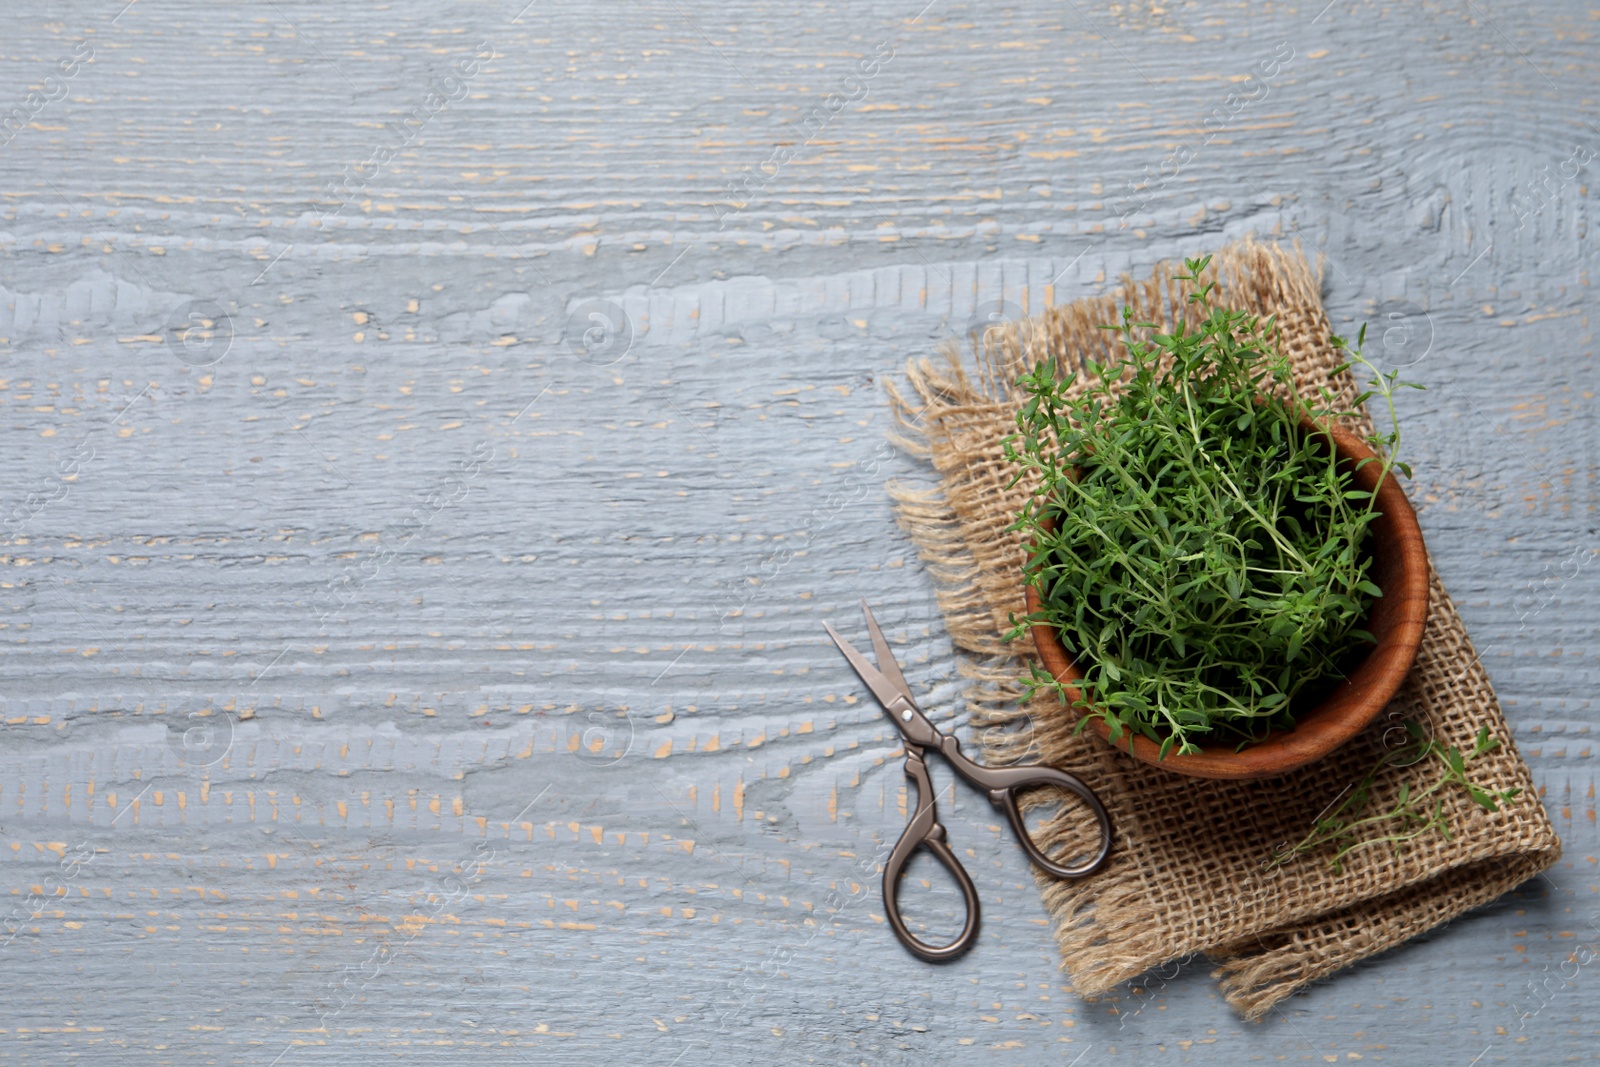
[880, 648]
[885, 690]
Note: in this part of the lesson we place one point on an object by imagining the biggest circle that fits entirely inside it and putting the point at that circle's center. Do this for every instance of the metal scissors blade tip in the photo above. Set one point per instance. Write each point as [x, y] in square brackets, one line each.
[885, 690]
[880, 648]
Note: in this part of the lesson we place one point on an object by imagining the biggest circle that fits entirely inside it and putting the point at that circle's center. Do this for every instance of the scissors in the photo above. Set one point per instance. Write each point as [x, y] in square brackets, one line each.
[1002, 784]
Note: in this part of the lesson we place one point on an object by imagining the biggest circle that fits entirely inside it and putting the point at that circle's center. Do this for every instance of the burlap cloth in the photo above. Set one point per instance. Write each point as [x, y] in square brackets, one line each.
[1187, 874]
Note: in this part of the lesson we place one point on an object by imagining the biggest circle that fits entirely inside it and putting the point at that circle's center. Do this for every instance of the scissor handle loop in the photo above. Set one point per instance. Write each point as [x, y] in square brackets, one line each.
[924, 831]
[928, 835]
[1004, 783]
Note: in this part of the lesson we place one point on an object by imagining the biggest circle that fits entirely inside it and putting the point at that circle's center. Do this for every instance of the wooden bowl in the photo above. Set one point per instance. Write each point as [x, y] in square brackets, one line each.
[1399, 568]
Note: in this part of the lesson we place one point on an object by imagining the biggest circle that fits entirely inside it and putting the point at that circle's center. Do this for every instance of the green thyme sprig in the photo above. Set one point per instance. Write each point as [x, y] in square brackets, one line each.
[1201, 557]
[1413, 813]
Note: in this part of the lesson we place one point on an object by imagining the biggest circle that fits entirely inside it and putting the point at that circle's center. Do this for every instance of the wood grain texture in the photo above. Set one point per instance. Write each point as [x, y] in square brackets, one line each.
[346, 553]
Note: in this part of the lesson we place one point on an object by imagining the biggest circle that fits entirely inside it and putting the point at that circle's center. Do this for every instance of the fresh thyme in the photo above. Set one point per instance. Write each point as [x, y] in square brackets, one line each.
[1201, 556]
[1413, 813]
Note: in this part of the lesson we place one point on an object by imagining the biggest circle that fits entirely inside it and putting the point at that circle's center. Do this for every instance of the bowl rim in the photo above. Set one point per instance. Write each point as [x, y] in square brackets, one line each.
[1352, 704]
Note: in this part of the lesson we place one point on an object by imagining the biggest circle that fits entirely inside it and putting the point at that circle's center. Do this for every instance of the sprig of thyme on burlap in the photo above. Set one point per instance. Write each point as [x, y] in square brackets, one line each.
[1413, 813]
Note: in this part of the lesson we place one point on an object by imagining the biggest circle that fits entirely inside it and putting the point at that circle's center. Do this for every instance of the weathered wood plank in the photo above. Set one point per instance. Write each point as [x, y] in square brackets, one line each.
[414, 541]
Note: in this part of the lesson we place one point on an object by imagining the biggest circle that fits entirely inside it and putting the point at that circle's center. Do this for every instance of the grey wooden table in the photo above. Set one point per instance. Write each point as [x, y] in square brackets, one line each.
[435, 432]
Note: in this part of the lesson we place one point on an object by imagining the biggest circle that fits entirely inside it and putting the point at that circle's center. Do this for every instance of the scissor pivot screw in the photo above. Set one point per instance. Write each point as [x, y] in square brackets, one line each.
[906, 715]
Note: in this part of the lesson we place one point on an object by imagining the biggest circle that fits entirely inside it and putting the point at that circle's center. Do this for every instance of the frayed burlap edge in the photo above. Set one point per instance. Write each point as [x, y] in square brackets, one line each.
[1164, 896]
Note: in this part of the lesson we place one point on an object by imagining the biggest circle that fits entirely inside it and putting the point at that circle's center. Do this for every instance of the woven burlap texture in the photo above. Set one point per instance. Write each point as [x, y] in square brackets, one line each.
[1188, 873]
